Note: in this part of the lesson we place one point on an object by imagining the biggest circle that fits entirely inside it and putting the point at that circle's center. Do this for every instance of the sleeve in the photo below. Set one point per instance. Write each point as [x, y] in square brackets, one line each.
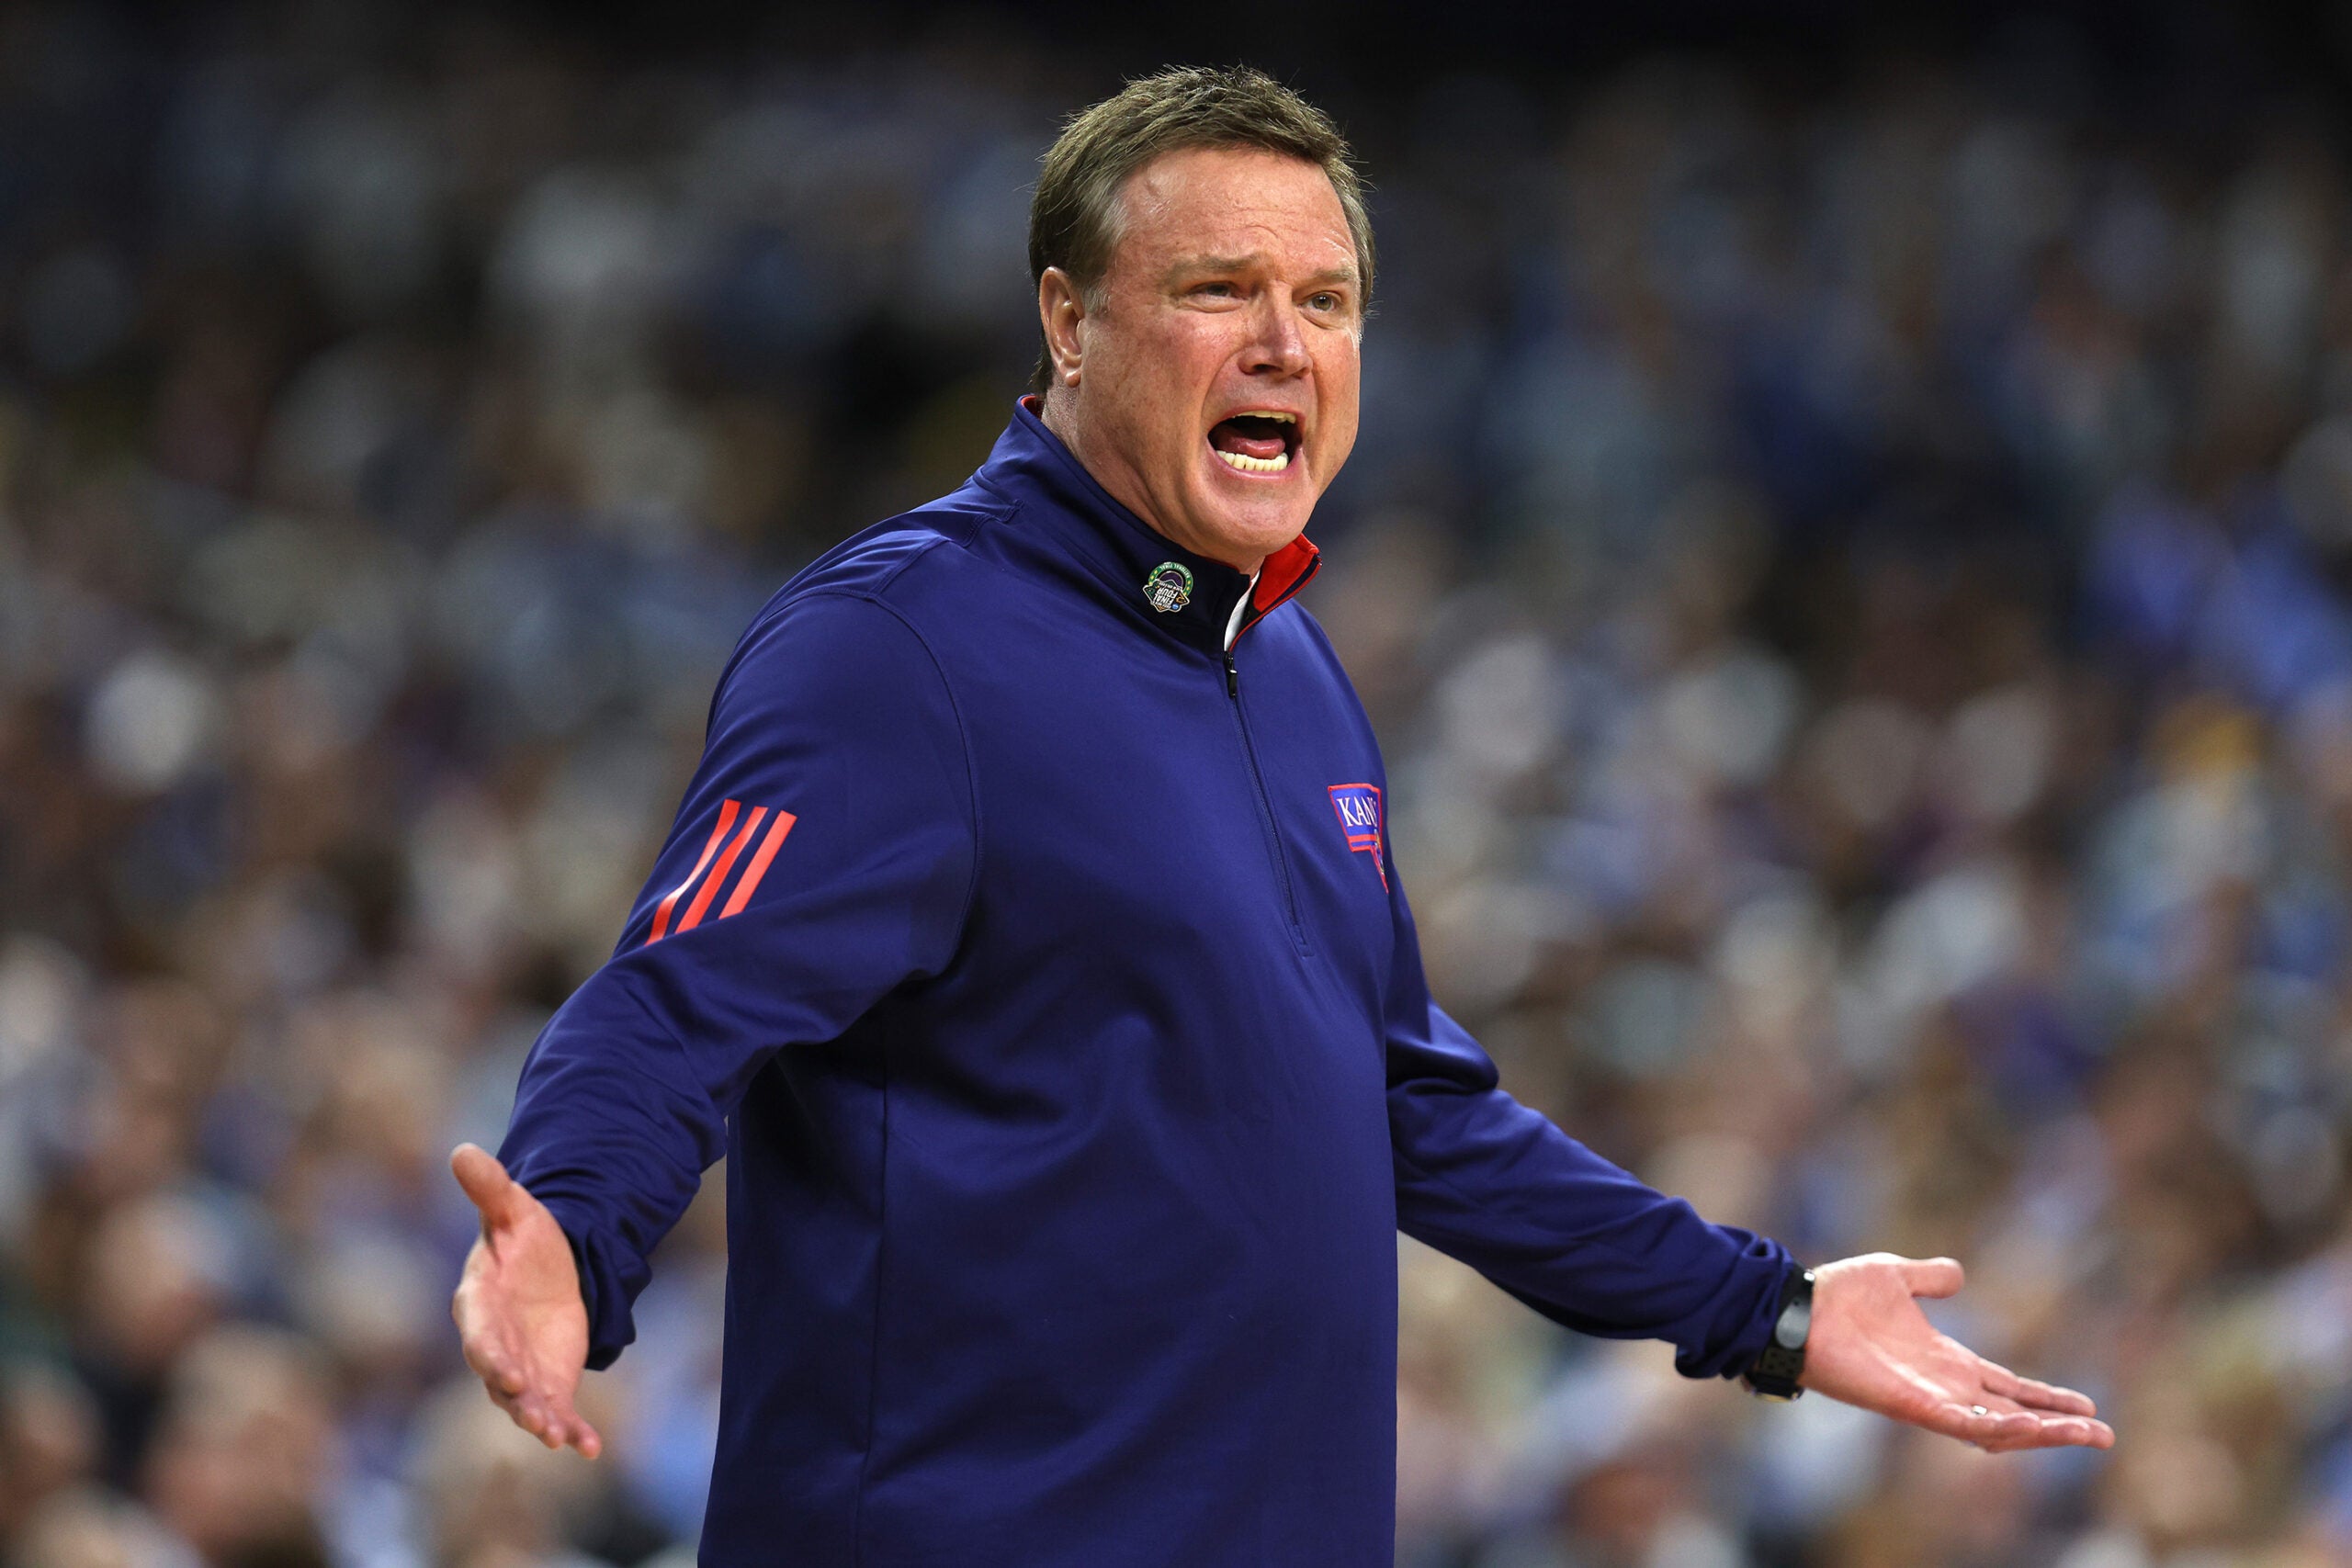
[824, 855]
[1484, 1179]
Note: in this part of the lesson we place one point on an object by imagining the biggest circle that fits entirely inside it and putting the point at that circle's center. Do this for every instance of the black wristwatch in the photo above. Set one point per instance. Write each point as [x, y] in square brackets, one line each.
[1775, 1372]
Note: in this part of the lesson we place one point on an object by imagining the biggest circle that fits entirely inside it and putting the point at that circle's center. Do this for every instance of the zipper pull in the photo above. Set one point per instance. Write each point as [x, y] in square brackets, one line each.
[1232, 677]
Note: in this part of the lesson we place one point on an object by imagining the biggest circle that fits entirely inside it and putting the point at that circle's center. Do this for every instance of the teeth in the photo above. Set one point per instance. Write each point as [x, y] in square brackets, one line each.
[1248, 465]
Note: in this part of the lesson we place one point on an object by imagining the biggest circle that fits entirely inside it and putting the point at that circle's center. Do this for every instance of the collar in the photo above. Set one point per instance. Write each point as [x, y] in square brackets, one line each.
[1127, 557]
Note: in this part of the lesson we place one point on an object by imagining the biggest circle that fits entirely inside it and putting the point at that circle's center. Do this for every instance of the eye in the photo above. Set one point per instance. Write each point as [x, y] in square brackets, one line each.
[1325, 301]
[1215, 290]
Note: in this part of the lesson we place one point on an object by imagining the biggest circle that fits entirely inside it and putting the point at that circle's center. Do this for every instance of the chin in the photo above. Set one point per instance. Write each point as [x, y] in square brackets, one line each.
[1254, 514]
[1256, 531]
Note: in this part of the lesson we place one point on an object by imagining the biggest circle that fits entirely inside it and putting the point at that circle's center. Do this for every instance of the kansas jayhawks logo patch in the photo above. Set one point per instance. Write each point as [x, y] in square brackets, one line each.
[1358, 808]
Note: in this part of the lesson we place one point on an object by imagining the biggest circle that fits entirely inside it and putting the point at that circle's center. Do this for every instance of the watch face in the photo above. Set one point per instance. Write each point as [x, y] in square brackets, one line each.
[1795, 1318]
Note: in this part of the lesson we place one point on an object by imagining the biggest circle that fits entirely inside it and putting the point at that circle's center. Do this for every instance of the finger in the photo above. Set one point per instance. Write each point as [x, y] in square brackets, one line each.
[568, 1426]
[491, 1363]
[2063, 1432]
[486, 1183]
[551, 1419]
[537, 1413]
[532, 1406]
[547, 1413]
[2010, 1435]
[2036, 1396]
[524, 1411]
[1933, 1277]
[517, 1404]
[1970, 1424]
[1982, 1425]
[2013, 1429]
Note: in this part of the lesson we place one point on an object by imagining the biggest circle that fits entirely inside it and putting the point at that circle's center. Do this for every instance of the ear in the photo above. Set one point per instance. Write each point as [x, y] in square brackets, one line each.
[1062, 311]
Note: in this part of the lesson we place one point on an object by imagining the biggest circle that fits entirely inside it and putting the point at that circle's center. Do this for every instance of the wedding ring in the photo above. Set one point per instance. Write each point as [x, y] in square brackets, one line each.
[1978, 1410]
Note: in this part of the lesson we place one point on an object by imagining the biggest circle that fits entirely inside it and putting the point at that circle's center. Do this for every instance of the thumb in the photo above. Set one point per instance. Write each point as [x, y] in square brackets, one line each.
[486, 1182]
[1934, 1276]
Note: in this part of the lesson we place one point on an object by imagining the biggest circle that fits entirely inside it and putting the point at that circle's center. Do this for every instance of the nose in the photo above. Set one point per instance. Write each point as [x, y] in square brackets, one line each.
[1278, 348]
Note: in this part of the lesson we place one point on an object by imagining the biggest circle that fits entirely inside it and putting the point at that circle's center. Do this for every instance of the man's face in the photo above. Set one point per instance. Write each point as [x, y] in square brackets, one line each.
[1217, 369]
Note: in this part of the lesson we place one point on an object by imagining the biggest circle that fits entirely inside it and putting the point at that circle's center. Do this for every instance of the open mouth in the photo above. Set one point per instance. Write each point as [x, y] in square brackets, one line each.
[1259, 442]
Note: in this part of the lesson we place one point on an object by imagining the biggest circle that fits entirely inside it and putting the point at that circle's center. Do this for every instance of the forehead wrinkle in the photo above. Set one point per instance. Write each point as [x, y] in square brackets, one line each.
[1192, 263]
[1159, 190]
[1197, 263]
[1346, 275]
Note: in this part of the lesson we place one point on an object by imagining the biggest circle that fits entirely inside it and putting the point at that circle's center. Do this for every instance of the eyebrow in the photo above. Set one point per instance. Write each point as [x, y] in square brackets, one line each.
[1330, 274]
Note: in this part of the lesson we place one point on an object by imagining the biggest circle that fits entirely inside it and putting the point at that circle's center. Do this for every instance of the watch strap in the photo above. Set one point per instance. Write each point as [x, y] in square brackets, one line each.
[1775, 1372]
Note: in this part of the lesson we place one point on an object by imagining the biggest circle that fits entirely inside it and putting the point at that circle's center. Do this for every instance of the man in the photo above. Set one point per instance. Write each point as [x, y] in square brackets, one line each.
[1029, 943]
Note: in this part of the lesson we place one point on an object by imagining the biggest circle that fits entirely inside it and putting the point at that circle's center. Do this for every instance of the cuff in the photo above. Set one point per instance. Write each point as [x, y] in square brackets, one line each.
[1742, 1324]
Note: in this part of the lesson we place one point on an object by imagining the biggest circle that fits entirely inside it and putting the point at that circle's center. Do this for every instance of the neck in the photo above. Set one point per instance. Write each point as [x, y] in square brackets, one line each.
[1059, 412]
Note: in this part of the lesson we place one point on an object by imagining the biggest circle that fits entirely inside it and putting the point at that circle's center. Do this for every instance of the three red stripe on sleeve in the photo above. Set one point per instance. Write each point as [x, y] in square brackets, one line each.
[728, 812]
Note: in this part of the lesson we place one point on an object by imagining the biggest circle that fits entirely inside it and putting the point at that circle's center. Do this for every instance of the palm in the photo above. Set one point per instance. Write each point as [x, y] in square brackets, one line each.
[519, 1314]
[1871, 1345]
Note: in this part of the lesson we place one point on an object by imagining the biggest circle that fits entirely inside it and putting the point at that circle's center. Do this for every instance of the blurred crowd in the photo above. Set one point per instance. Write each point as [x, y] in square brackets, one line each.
[1852, 584]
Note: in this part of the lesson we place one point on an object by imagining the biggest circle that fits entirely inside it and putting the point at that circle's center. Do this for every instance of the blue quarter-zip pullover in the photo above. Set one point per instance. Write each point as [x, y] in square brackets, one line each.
[1039, 965]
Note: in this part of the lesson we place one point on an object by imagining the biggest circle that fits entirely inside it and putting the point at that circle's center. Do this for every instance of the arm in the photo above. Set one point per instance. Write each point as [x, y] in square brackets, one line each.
[824, 854]
[1486, 1179]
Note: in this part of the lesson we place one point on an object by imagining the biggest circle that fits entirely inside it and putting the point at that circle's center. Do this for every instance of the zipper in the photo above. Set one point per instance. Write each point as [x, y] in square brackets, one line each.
[1265, 804]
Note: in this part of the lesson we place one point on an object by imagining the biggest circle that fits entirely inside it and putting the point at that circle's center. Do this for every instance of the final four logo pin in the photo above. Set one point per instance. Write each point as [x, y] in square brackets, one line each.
[1170, 586]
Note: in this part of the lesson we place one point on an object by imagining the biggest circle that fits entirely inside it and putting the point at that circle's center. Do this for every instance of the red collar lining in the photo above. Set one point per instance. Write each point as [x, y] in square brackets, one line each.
[1282, 572]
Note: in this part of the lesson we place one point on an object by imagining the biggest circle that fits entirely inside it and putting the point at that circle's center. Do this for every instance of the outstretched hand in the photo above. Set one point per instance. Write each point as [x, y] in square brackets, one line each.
[1871, 1346]
[519, 1314]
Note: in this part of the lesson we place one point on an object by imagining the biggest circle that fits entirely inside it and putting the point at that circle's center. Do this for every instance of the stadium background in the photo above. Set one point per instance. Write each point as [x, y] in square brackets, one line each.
[1849, 559]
